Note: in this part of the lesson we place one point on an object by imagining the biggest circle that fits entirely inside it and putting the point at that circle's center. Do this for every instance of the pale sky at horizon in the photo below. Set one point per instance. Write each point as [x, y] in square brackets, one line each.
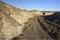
[48, 5]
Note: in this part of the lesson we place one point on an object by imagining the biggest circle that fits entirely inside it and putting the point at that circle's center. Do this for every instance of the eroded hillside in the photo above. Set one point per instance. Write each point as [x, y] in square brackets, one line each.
[18, 24]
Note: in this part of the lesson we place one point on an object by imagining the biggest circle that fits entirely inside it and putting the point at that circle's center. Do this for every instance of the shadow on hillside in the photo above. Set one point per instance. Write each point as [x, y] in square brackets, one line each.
[54, 17]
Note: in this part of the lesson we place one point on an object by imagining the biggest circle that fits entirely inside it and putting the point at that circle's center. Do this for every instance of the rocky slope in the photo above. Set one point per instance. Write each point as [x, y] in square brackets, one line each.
[18, 24]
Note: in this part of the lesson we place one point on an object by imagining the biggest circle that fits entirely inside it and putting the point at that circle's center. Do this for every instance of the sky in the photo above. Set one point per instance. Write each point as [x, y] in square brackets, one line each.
[45, 5]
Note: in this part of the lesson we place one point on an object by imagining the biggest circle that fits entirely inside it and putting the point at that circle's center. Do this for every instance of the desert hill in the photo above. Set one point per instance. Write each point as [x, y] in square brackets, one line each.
[19, 24]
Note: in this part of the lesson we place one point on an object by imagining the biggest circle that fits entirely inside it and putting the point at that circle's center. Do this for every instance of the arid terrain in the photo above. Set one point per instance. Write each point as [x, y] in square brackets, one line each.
[21, 24]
